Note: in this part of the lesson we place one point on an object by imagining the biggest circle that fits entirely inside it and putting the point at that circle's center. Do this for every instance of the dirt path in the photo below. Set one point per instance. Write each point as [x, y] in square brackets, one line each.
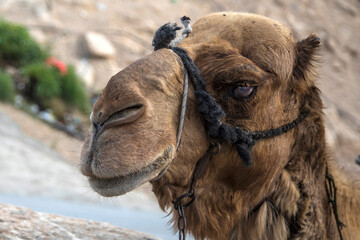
[30, 166]
[67, 146]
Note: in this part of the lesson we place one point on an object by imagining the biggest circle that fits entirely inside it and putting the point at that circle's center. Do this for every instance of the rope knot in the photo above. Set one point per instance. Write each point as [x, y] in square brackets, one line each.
[164, 35]
[244, 153]
[167, 33]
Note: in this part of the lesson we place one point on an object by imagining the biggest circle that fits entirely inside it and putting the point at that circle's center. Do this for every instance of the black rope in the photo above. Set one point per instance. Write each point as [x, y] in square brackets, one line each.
[164, 35]
[200, 169]
[331, 194]
[280, 130]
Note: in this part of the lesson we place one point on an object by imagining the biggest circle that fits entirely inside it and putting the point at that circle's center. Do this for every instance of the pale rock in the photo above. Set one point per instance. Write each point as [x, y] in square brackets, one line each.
[38, 35]
[101, 6]
[80, 2]
[86, 72]
[42, 9]
[98, 45]
[23, 223]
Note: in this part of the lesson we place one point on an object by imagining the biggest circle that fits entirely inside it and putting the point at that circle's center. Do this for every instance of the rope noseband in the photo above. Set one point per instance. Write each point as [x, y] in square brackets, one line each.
[213, 115]
[183, 109]
[209, 109]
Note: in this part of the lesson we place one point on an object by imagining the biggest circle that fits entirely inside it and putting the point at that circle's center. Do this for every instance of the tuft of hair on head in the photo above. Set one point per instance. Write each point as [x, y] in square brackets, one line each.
[306, 52]
[164, 35]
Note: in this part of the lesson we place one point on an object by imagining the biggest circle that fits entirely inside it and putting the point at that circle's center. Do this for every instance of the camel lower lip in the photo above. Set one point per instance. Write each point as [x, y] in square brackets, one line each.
[109, 187]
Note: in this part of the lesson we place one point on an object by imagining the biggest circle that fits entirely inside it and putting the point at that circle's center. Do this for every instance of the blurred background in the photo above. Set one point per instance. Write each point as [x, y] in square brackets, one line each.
[57, 55]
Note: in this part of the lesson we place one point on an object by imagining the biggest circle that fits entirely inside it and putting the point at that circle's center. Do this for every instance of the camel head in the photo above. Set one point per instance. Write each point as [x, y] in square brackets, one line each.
[133, 135]
[253, 68]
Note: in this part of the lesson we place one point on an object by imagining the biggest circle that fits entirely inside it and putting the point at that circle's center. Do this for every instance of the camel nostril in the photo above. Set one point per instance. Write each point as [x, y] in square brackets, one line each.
[94, 124]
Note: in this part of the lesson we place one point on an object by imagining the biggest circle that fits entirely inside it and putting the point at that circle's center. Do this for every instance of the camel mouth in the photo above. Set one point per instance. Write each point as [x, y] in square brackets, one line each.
[110, 187]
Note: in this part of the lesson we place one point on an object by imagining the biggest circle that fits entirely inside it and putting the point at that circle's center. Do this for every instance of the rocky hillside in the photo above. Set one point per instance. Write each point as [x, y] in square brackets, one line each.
[23, 223]
[123, 30]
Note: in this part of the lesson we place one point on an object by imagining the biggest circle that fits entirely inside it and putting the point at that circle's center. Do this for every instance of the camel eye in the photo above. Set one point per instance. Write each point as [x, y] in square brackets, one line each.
[243, 92]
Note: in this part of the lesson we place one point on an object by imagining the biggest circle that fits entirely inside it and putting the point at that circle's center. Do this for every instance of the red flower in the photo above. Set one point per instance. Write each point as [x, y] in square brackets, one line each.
[61, 66]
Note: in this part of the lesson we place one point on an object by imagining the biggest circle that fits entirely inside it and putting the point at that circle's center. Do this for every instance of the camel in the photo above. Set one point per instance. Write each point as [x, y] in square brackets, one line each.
[262, 79]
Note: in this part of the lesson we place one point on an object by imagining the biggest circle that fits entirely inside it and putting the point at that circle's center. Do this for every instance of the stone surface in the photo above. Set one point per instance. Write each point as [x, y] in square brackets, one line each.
[98, 45]
[86, 72]
[42, 9]
[23, 223]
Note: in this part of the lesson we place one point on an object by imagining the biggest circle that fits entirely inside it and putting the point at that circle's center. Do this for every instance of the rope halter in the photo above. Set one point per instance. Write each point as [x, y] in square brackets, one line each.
[212, 113]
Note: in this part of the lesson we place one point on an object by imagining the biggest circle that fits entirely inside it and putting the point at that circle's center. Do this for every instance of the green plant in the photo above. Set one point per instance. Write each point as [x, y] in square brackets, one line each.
[7, 90]
[43, 84]
[73, 91]
[17, 47]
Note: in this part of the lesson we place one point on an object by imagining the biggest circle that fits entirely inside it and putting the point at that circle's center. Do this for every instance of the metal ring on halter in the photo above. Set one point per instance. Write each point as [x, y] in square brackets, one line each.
[218, 147]
[190, 195]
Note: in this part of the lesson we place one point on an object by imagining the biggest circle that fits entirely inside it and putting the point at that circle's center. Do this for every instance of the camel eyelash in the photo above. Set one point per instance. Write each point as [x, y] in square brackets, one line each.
[243, 83]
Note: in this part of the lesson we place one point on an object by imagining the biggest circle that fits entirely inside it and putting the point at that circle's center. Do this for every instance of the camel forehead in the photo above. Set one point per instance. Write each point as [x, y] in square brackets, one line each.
[246, 24]
[264, 41]
[162, 65]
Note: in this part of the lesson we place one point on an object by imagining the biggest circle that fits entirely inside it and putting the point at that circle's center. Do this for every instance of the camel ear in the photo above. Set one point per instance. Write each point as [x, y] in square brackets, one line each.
[306, 52]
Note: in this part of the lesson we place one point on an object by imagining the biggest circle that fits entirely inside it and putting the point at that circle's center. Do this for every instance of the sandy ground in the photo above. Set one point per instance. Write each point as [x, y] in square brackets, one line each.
[30, 167]
[66, 145]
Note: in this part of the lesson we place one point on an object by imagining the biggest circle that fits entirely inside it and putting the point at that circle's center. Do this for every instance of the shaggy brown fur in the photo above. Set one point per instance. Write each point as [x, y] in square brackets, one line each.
[283, 195]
